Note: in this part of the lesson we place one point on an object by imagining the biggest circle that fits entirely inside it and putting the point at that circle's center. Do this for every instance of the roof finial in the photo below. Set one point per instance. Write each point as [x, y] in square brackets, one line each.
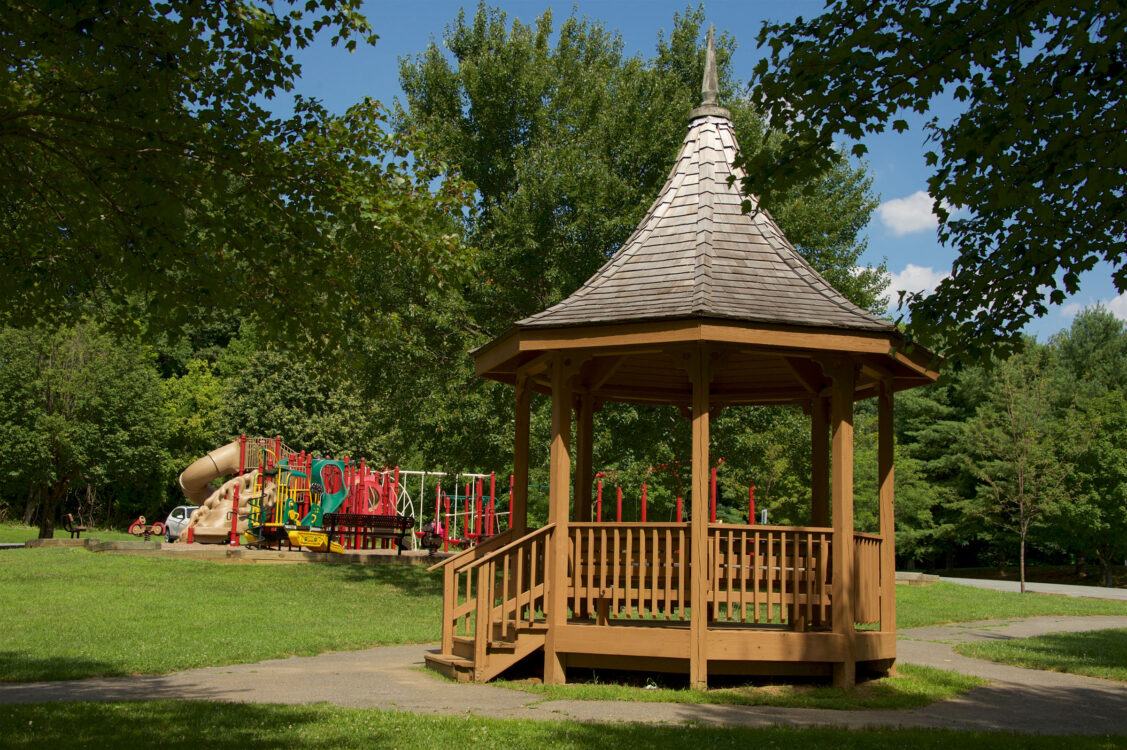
[710, 87]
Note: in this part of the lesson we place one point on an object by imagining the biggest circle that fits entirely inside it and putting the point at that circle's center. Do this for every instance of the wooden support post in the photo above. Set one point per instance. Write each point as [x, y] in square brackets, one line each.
[559, 498]
[886, 475]
[584, 446]
[819, 462]
[841, 419]
[518, 506]
[699, 373]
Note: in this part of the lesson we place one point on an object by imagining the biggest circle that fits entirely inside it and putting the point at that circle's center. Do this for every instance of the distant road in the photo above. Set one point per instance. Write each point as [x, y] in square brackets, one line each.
[1091, 592]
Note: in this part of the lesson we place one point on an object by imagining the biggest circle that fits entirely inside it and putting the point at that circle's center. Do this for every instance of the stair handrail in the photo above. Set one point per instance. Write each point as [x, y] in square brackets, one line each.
[481, 549]
[543, 530]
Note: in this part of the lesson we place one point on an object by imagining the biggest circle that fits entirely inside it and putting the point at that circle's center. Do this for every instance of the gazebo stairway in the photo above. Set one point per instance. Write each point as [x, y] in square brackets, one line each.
[493, 603]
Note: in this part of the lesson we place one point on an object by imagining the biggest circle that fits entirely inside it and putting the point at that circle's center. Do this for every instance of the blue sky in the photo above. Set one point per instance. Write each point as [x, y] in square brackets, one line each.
[902, 230]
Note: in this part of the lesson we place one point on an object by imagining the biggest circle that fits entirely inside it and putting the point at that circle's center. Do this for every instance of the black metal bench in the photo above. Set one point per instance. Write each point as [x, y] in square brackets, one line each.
[370, 527]
[74, 529]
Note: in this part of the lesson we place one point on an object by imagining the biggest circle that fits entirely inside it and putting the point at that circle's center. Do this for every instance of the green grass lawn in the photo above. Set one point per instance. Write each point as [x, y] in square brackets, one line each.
[1099, 653]
[68, 613]
[912, 688]
[248, 726]
[19, 533]
[940, 603]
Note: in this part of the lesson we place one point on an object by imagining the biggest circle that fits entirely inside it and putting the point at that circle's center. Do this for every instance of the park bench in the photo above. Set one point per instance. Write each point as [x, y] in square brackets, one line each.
[74, 529]
[370, 527]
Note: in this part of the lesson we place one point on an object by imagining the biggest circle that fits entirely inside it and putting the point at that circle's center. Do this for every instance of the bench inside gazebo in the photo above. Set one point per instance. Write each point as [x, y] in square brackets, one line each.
[705, 307]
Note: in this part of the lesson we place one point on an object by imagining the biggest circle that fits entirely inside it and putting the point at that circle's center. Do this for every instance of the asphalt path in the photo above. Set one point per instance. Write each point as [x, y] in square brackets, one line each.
[1017, 700]
[1062, 589]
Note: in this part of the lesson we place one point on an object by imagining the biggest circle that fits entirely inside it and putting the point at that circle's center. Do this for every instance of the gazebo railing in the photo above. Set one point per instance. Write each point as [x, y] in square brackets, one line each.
[867, 579]
[761, 576]
[629, 570]
[777, 575]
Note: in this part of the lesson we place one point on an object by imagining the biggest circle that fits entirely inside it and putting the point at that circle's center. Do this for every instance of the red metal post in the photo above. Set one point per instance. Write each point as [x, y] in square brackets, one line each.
[492, 503]
[679, 505]
[480, 499]
[599, 503]
[512, 483]
[234, 542]
[751, 503]
[643, 502]
[446, 524]
[618, 514]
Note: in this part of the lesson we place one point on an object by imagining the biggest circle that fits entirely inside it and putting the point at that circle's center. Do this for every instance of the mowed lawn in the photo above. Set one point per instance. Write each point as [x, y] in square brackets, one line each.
[68, 613]
[941, 603]
[10, 533]
[249, 726]
[1098, 653]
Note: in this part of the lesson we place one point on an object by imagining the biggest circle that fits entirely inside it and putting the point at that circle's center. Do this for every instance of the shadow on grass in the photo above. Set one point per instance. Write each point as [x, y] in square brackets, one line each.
[410, 579]
[21, 667]
[243, 726]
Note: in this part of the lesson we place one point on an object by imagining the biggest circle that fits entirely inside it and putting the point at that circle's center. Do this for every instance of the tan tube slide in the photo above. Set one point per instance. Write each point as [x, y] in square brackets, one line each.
[220, 462]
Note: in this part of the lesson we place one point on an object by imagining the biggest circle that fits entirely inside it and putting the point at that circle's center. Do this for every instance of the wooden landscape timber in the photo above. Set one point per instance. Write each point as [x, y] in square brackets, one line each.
[704, 307]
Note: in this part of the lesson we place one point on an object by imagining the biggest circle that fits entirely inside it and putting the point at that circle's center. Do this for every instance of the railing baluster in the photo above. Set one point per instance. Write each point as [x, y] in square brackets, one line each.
[628, 573]
[808, 585]
[667, 566]
[755, 575]
[602, 567]
[654, 610]
[823, 557]
[591, 571]
[731, 572]
[532, 566]
[681, 564]
[743, 575]
[614, 588]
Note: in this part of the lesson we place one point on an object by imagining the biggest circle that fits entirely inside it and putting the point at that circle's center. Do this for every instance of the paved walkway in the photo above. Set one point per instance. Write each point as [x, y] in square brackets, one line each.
[1019, 700]
[1063, 589]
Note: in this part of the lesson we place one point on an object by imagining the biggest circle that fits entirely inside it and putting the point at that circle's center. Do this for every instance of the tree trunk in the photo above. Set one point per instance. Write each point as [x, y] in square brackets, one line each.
[1107, 563]
[49, 508]
[32, 505]
[1022, 563]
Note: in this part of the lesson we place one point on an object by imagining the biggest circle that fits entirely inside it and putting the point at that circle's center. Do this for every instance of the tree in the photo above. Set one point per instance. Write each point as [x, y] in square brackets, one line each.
[1034, 163]
[79, 407]
[1093, 353]
[567, 141]
[1096, 511]
[142, 174]
[269, 391]
[1017, 449]
[192, 407]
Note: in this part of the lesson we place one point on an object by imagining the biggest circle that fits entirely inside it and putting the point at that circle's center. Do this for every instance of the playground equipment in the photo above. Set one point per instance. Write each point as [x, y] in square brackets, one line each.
[141, 527]
[279, 496]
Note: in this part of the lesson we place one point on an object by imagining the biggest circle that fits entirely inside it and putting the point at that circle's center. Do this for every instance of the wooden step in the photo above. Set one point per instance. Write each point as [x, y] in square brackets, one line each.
[454, 667]
[464, 646]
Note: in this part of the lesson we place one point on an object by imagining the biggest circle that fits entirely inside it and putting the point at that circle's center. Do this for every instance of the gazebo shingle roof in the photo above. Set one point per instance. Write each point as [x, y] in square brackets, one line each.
[696, 254]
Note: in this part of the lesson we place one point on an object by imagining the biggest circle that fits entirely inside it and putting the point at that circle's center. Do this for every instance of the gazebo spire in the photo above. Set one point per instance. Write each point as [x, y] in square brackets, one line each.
[710, 86]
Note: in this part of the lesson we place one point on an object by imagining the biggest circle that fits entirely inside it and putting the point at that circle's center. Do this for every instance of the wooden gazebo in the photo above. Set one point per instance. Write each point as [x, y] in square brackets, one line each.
[704, 307]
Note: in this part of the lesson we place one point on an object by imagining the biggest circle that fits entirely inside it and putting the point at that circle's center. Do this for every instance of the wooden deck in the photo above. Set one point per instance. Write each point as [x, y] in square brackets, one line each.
[768, 606]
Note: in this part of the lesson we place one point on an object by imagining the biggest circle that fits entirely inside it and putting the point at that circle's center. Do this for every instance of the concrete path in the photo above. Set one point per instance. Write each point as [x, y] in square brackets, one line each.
[1090, 592]
[1019, 700]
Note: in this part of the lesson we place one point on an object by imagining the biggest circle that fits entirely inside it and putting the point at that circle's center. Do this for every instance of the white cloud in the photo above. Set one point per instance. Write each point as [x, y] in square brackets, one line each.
[1117, 306]
[907, 215]
[912, 279]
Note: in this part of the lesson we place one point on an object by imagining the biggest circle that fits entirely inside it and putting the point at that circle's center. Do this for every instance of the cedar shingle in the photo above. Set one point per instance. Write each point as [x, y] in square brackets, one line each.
[696, 254]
